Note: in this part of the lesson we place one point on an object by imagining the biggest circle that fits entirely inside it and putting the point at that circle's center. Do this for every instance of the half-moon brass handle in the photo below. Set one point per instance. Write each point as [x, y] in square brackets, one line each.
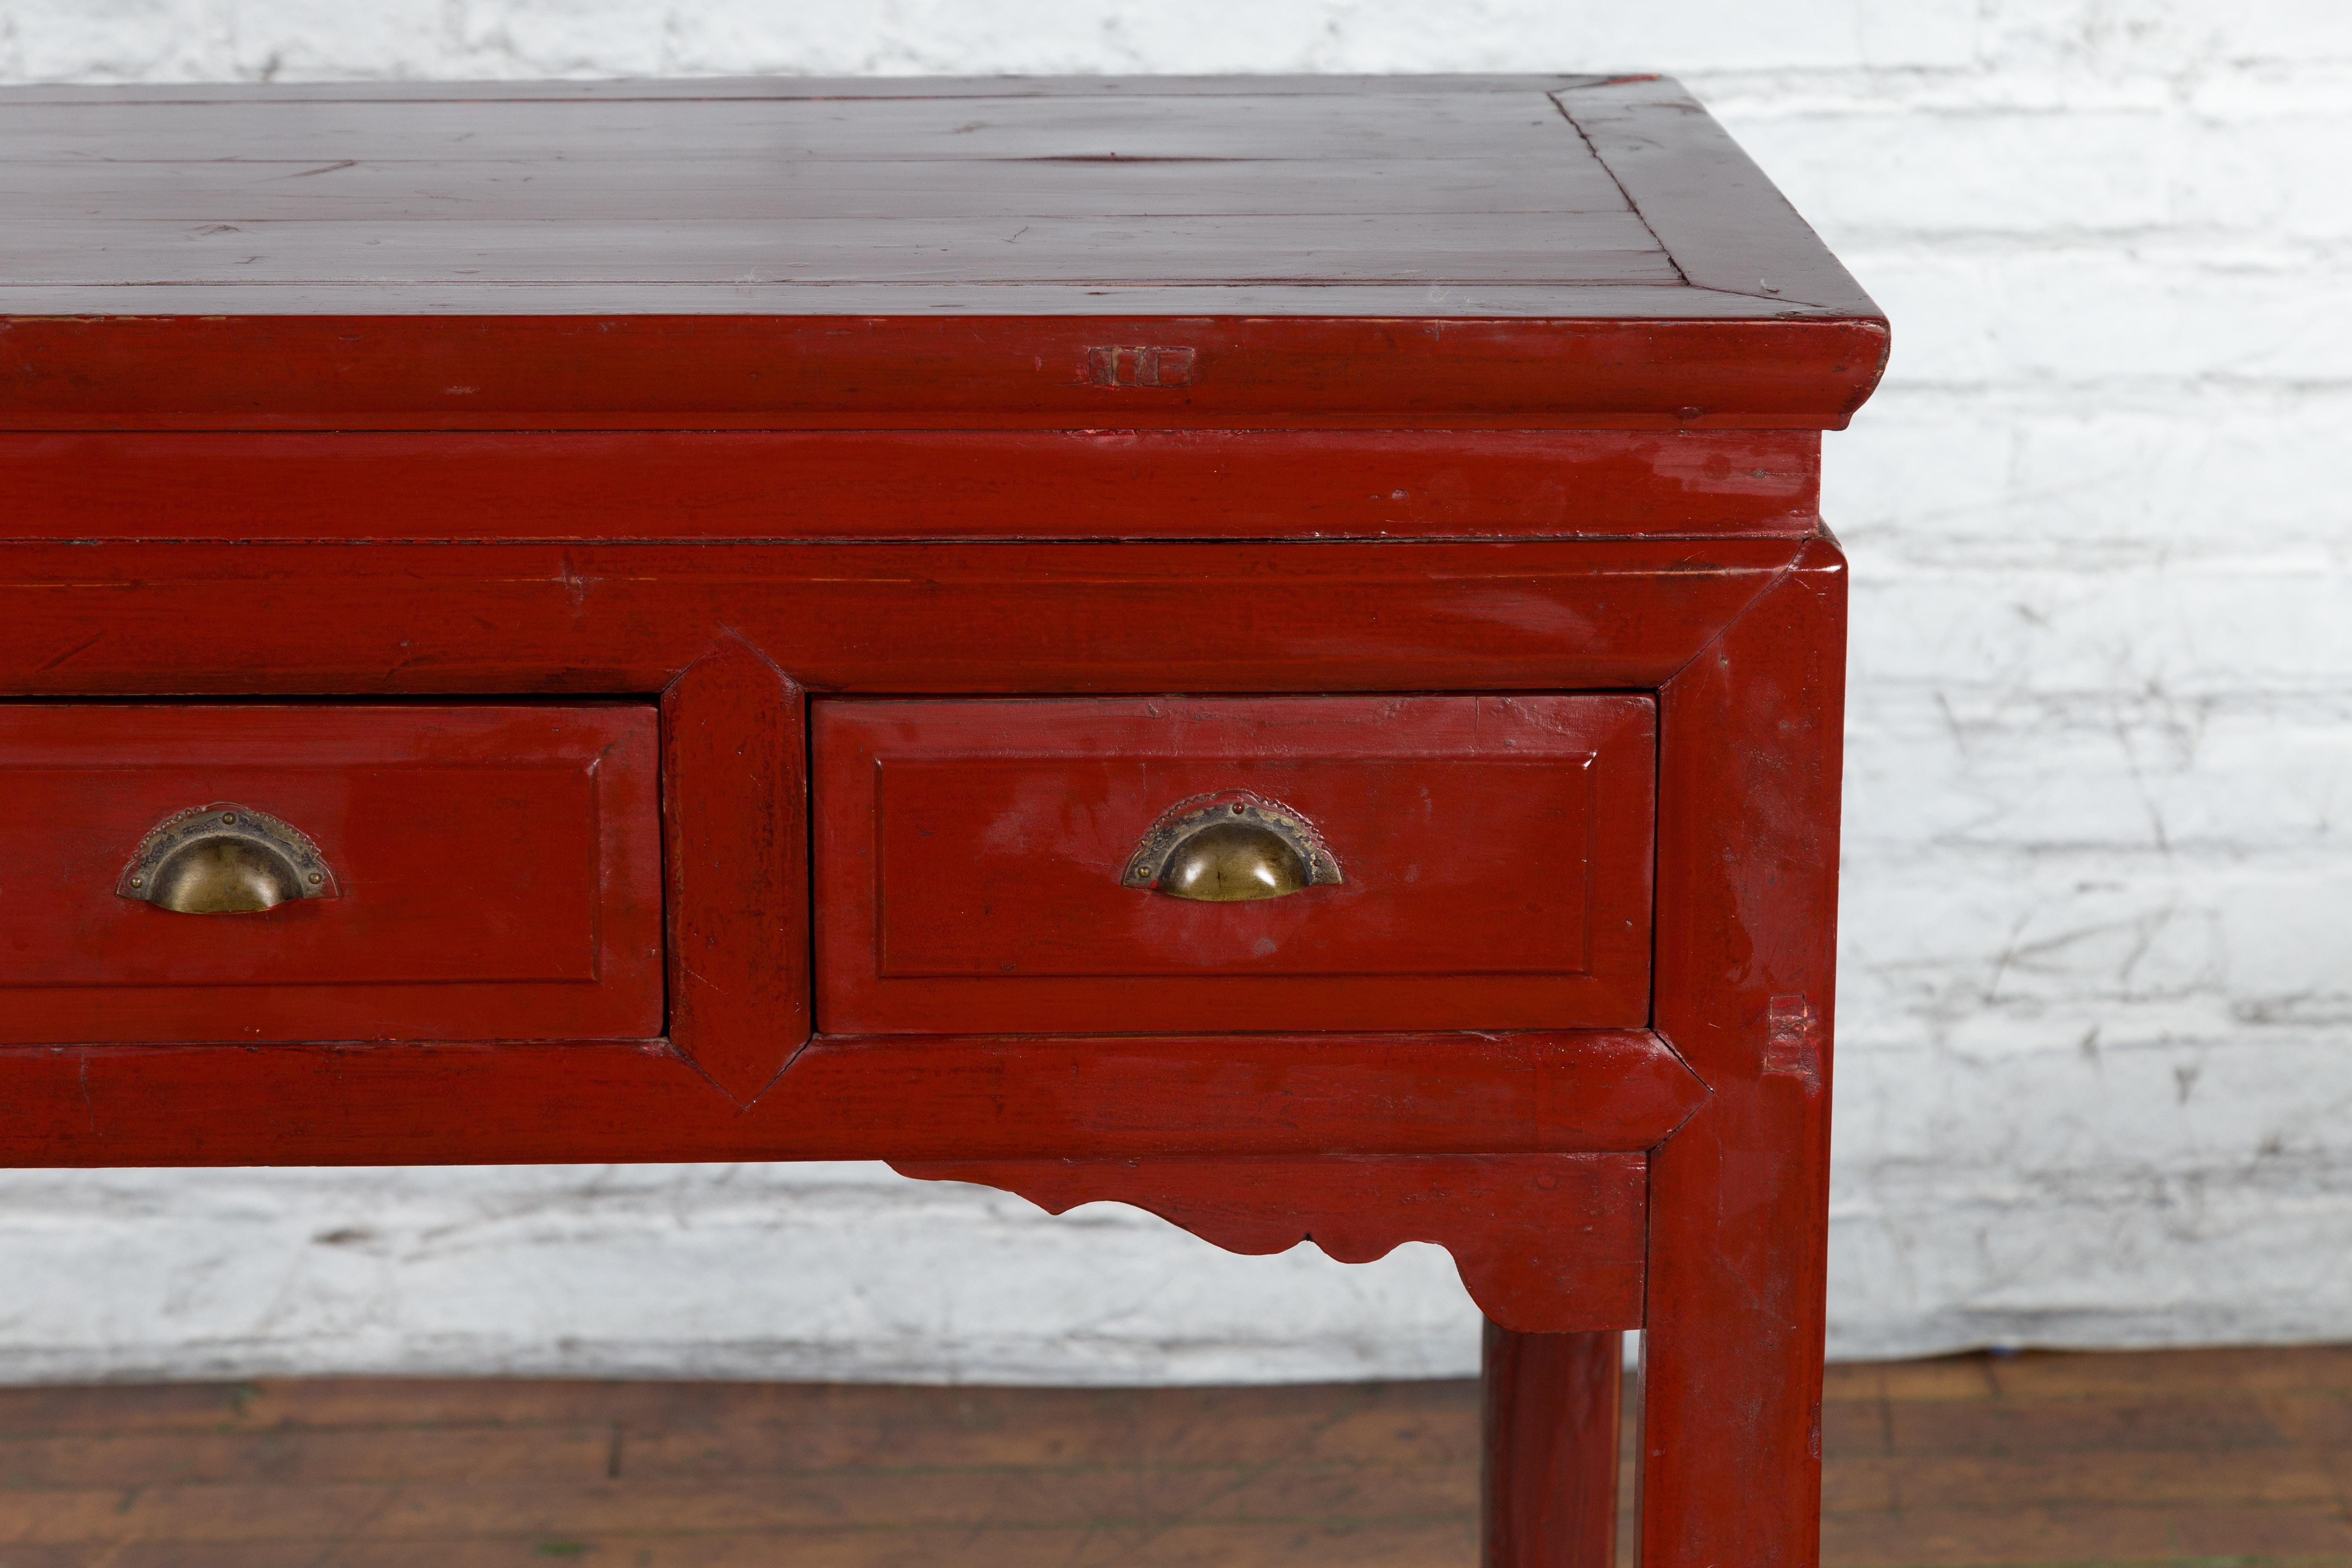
[1229, 847]
[225, 859]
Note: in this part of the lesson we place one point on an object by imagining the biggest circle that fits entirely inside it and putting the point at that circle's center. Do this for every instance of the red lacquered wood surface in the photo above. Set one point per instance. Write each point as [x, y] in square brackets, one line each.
[735, 776]
[1051, 619]
[891, 1097]
[1546, 1243]
[920, 484]
[1494, 855]
[1748, 812]
[1550, 1439]
[498, 871]
[630, 372]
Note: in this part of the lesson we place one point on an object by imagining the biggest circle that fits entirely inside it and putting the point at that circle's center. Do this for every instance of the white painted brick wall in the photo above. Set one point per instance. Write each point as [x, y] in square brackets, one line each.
[2096, 1054]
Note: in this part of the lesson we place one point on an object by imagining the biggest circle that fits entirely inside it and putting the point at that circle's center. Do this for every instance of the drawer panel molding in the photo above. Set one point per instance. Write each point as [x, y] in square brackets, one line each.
[495, 872]
[1471, 862]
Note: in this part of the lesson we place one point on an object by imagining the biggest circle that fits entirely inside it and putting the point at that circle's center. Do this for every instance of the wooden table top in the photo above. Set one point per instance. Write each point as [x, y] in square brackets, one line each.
[1358, 222]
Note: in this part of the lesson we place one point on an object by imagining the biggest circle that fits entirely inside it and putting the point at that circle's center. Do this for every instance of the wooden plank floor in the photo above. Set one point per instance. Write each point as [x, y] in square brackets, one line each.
[2222, 1458]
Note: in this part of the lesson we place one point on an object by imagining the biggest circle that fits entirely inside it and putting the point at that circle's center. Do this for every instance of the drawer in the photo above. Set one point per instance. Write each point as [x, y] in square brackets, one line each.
[1418, 862]
[452, 872]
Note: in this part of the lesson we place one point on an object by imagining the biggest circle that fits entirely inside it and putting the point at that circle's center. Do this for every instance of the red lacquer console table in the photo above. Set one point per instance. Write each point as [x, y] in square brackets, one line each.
[1260, 649]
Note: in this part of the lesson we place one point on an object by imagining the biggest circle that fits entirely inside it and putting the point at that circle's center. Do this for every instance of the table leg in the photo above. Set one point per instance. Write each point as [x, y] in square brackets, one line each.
[1551, 1492]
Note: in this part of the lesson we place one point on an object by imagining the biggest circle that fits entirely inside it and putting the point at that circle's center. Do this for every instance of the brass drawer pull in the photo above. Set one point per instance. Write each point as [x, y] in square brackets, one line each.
[1228, 848]
[225, 859]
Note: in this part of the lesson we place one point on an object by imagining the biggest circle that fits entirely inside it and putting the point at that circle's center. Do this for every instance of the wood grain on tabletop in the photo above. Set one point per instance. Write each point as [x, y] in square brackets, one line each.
[2148, 1458]
[484, 191]
[1397, 254]
[1521, 182]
